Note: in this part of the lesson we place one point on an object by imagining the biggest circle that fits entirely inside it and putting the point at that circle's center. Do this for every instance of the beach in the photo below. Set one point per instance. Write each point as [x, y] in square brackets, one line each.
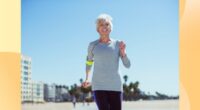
[128, 105]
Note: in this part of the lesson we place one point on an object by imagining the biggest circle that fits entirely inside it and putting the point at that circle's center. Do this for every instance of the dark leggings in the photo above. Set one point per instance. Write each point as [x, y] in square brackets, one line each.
[108, 100]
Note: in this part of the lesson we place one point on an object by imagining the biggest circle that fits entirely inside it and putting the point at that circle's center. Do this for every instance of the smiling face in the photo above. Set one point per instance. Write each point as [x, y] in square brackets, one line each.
[104, 27]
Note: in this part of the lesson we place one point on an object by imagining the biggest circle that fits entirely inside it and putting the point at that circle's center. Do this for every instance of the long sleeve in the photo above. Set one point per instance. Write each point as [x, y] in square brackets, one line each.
[106, 58]
[90, 57]
[126, 62]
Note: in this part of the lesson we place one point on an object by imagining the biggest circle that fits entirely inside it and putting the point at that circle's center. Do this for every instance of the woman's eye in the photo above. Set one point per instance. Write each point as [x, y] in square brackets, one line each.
[101, 25]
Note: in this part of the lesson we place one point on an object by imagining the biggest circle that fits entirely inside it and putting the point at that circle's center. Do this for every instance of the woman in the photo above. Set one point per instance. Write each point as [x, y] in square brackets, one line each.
[105, 53]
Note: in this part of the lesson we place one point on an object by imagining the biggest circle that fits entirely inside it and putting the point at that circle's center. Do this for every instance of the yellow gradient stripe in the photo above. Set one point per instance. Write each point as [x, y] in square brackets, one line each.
[10, 26]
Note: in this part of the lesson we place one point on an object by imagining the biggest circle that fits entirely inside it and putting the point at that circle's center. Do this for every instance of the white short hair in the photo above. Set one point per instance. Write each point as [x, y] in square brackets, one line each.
[104, 17]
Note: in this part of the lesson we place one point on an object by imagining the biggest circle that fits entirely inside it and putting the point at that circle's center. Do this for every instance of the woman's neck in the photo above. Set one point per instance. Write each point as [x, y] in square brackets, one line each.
[104, 39]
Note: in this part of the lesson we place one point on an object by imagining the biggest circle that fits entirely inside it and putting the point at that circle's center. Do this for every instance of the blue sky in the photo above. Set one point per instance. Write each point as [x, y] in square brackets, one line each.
[56, 33]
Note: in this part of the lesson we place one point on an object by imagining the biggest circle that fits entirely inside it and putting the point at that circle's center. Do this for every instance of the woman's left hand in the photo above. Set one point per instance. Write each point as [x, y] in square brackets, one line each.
[122, 47]
[86, 84]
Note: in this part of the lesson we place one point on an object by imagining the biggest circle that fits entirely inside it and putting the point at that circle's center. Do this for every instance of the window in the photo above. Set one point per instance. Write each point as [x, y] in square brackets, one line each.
[26, 73]
[25, 78]
[38, 89]
[26, 62]
[26, 67]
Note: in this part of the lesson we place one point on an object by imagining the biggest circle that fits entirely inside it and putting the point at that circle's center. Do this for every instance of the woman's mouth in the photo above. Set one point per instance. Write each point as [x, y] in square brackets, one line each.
[104, 30]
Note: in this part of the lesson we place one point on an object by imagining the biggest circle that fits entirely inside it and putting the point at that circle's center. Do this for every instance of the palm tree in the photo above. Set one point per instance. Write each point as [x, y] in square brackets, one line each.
[137, 84]
[136, 87]
[131, 86]
[125, 88]
[72, 90]
[66, 87]
[125, 78]
[81, 80]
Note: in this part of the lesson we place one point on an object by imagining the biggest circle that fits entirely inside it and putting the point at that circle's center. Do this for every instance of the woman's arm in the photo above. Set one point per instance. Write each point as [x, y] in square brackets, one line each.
[86, 83]
[89, 63]
[126, 61]
[123, 55]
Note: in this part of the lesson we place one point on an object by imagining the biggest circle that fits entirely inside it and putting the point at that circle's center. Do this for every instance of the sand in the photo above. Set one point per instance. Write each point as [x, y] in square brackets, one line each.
[133, 105]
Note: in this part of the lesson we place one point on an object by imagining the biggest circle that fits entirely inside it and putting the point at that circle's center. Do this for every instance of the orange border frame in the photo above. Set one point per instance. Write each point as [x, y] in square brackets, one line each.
[189, 46]
[10, 48]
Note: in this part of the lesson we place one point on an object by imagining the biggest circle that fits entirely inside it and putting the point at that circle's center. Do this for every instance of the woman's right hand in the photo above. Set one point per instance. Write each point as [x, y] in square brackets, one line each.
[86, 84]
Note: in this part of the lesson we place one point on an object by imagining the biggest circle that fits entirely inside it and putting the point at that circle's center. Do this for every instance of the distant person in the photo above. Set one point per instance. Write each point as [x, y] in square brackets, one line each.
[83, 102]
[105, 53]
[74, 101]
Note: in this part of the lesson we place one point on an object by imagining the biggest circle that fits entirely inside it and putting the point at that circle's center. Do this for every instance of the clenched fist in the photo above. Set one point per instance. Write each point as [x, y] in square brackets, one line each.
[122, 47]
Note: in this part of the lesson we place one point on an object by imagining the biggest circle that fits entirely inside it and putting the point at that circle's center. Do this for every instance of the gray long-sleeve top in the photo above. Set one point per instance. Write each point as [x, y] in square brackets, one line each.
[106, 65]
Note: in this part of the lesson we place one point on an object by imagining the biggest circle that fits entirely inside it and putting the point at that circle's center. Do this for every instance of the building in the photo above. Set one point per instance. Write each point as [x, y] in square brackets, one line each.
[50, 92]
[26, 83]
[62, 93]
[46, 92]
[38, 92]
[31, 91]
[56, 93]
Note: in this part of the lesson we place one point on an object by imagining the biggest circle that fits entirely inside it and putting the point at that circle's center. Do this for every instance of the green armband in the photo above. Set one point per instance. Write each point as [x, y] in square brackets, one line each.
[89, 63]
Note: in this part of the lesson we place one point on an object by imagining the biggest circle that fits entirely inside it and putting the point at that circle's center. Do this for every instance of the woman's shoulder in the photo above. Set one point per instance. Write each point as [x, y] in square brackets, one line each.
[94, 42]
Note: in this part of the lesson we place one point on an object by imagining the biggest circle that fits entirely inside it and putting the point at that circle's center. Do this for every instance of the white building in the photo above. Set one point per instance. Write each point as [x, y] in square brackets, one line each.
[26, 83]
[38, 91]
